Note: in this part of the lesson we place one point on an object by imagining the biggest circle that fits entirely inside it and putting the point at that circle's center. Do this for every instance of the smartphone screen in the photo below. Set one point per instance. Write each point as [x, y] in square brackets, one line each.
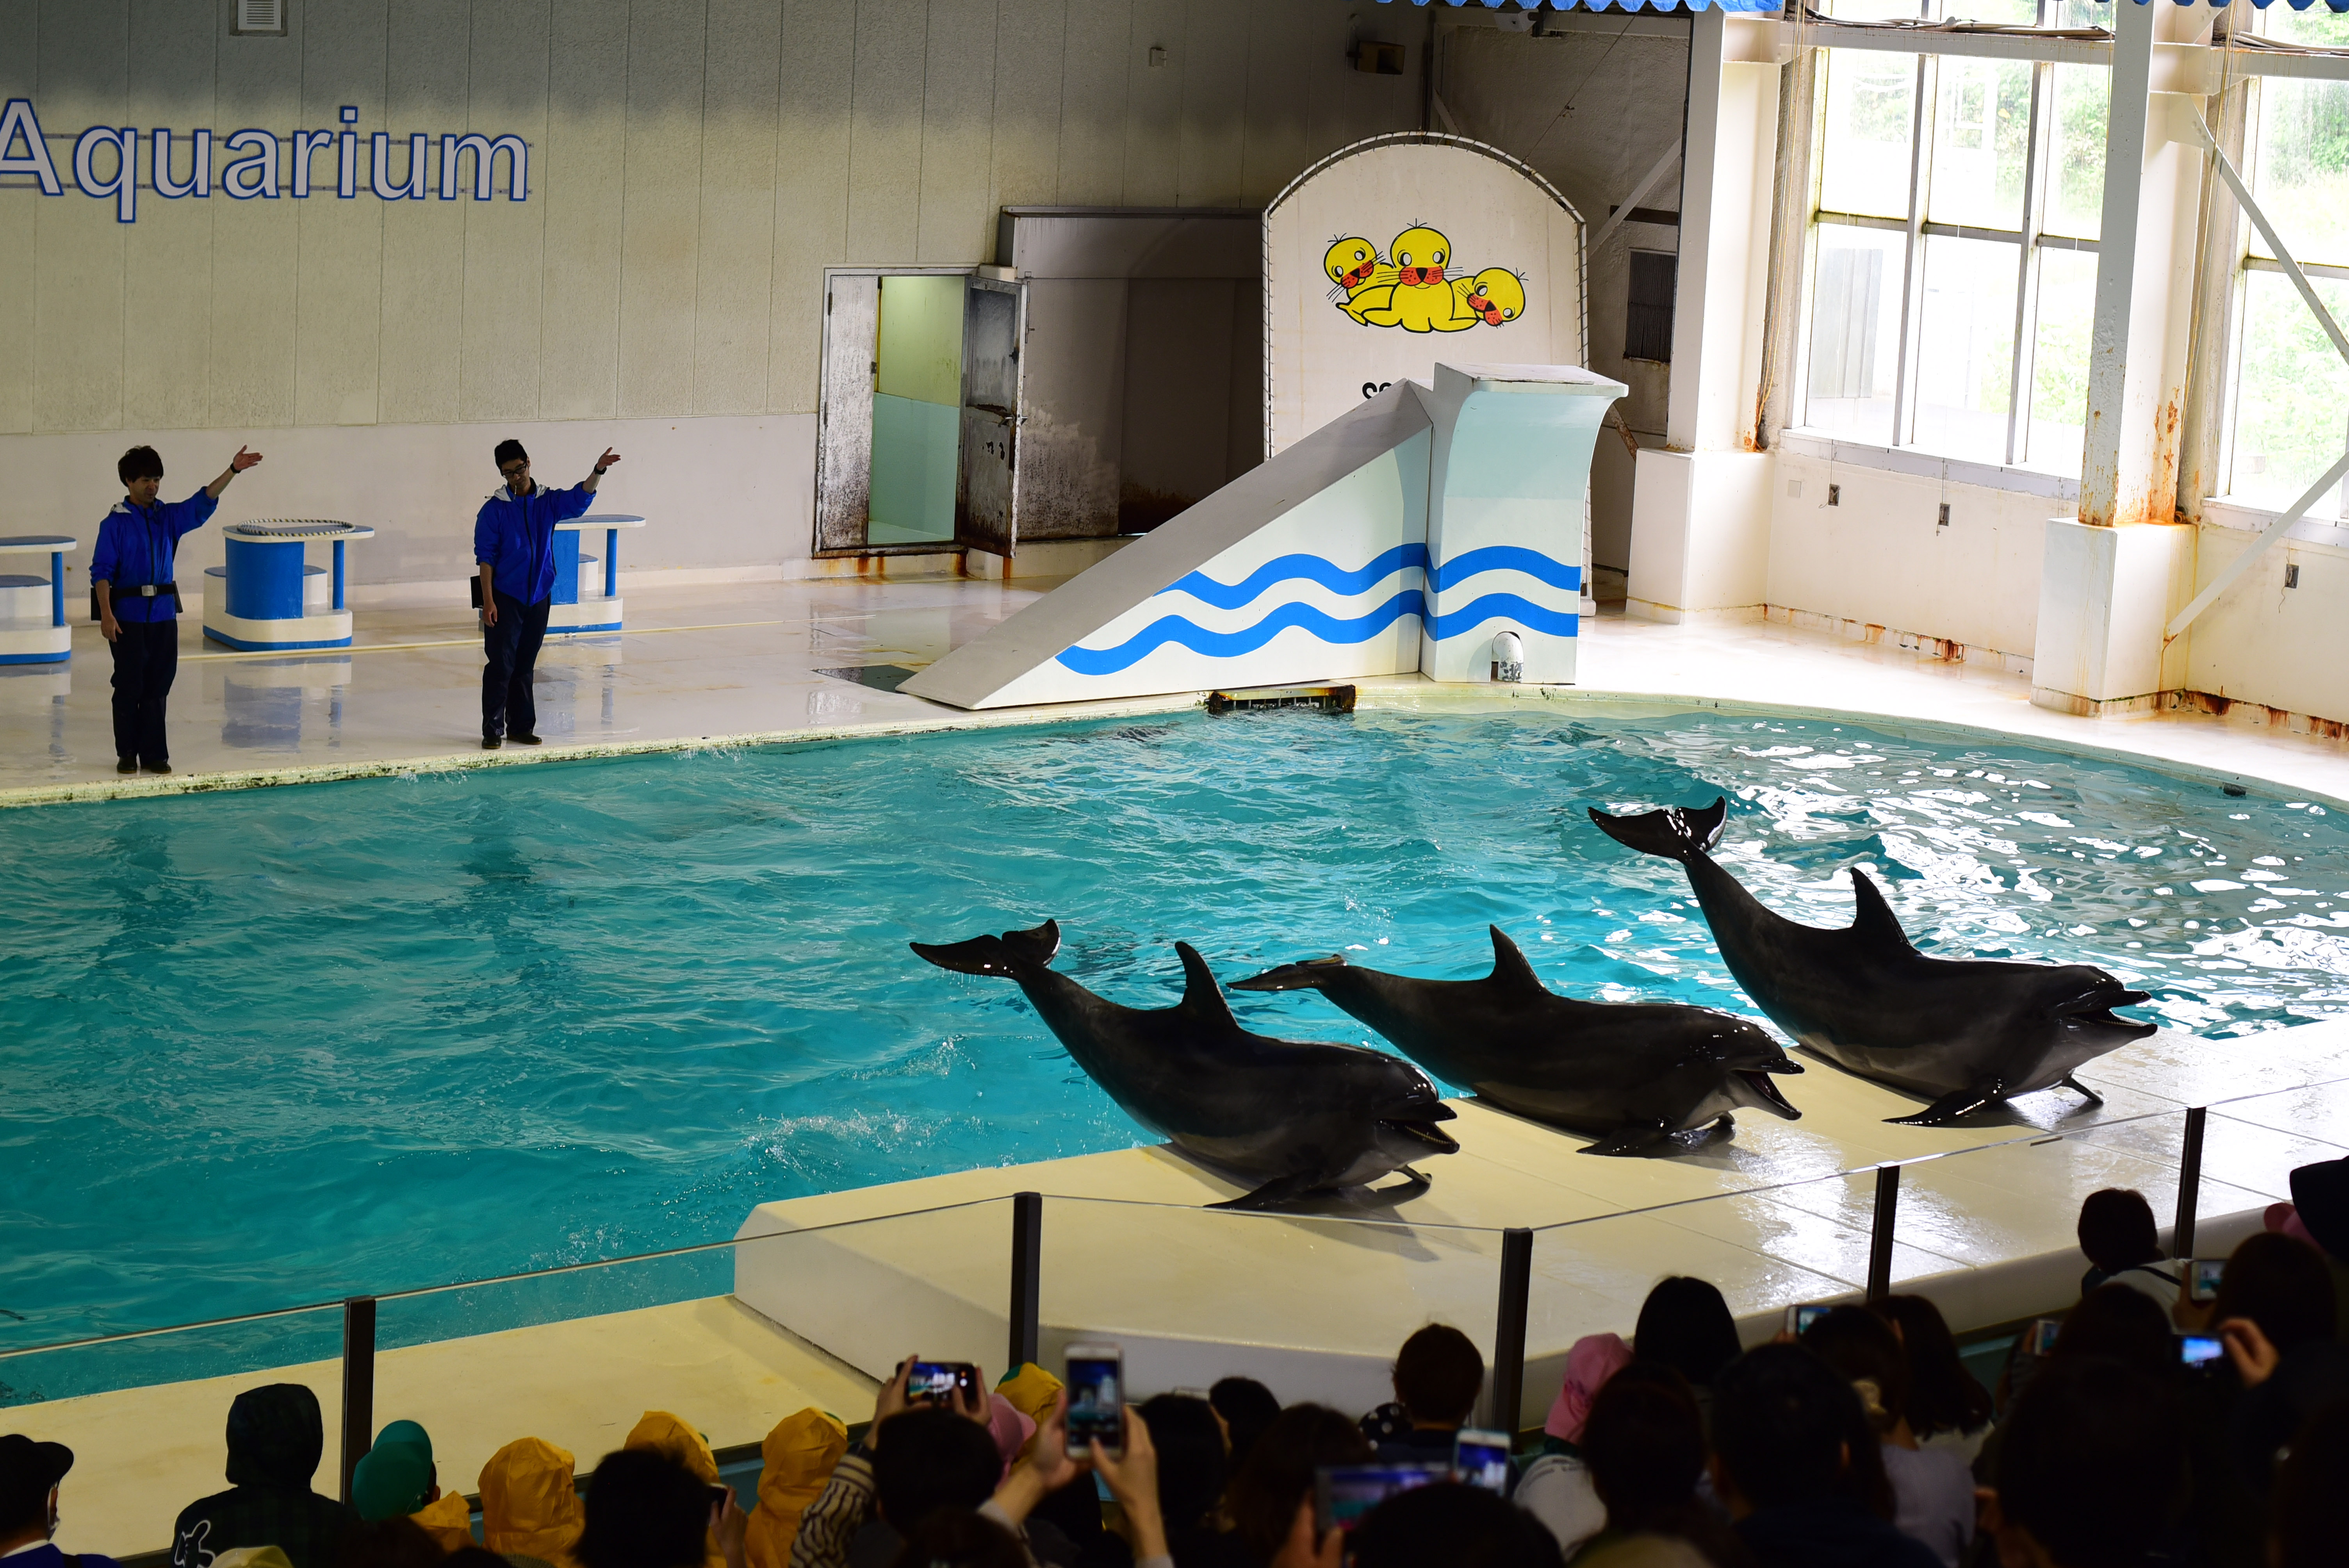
[2039, 1339]
[1344, 1493]
[2199, 1349]
[937, 1382]
[2202, 1277]
[1482, 1458]
[1095, 1391]
[1799, 1318]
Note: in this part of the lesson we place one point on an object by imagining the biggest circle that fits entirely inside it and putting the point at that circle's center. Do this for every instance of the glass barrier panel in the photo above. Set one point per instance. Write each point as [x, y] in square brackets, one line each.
[1313, 1305]
[146, 1417]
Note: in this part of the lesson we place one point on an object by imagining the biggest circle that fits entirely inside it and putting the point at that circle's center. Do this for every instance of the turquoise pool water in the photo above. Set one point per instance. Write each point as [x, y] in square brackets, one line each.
[278, 1046]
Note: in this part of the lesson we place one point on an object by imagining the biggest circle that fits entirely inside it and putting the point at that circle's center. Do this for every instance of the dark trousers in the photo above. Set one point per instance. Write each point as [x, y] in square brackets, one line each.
[146, 658]
[507, 706]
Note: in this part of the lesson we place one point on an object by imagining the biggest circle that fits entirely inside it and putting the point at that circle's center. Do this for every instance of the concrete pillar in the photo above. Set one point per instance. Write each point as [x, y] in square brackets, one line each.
[1700, 507]
[2112, 577]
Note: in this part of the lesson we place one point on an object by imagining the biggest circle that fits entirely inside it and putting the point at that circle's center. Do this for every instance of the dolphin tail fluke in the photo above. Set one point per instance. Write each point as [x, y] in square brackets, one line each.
[1674, 832]
[993, 954]
[1954, 1104]
[1305, 976]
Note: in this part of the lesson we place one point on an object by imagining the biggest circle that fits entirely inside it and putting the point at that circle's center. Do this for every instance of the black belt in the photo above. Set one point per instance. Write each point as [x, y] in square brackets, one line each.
[138, 590]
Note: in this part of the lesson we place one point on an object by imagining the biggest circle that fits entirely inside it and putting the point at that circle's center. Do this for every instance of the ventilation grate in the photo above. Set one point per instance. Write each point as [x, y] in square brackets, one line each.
[262, 16]
[1320, 699]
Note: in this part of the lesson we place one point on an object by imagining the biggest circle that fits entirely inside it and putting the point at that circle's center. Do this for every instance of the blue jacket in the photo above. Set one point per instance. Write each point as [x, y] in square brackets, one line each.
[516, 534]
[135, 546]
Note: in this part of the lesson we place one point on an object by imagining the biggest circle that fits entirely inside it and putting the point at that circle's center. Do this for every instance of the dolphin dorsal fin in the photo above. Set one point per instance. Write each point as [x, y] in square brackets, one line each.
[1203, 999]
[1510, 969]
[1874, 923]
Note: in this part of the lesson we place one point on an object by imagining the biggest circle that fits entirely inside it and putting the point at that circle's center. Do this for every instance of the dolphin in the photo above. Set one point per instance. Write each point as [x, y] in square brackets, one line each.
[1291, 1117]
[1636, 1074]
[1965, 1034]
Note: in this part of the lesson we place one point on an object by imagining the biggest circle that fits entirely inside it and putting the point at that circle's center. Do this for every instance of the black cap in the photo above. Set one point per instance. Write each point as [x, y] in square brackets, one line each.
[27, 1471]
[2321, 1193]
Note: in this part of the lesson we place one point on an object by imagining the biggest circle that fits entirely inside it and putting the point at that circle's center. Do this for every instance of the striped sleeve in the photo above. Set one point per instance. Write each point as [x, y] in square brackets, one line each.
[835, 1516]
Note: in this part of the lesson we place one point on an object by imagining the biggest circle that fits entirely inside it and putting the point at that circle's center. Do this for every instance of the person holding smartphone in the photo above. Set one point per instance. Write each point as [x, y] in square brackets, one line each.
[513, 545]
[137, 593]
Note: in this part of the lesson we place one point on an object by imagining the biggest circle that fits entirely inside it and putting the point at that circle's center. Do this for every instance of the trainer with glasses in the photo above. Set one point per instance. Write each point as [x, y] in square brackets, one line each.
[139, 598]
[513, 542]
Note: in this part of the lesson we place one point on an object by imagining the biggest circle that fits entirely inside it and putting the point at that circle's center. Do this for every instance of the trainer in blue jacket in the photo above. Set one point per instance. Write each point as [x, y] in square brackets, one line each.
[513, 542]
[139, 598]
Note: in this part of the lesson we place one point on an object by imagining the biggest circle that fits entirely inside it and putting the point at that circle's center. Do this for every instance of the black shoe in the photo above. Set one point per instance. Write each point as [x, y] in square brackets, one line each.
[158, 766]
[125, 764]
[524, 740]
[491, 743]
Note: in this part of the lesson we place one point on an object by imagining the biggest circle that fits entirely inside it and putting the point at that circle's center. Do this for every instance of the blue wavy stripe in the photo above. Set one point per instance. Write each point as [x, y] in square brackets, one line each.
[1506, 558]
[1524, 611]
[1310, 568]
[1248, 639]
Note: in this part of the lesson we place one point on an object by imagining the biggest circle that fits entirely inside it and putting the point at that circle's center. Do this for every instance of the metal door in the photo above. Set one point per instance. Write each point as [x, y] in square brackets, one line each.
[987, 487]
[843, 440]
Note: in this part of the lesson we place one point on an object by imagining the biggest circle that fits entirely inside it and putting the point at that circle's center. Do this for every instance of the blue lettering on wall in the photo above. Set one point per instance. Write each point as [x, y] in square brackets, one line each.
[107, 163]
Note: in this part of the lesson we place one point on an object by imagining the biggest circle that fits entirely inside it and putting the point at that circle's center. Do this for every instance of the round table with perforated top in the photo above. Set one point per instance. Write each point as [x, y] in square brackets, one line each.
[33, 629]
[268, 597]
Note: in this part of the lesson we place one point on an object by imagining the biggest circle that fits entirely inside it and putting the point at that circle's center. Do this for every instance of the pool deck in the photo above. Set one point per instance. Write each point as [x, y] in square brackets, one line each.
[1314, 1306]
[754, 663]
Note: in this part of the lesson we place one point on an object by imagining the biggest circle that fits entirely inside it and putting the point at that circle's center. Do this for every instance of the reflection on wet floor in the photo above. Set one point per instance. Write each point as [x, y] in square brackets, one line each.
[263, 702]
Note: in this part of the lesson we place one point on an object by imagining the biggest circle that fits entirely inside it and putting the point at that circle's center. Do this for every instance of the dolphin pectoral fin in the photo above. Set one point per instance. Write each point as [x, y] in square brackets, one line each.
[1956, 1103]
[1305, 976]
[1272, 1195]
[1674, 832]
[1874, 923]
[1631, 1138]
[1203, 999]
[1510, 968]
[2074, 1084]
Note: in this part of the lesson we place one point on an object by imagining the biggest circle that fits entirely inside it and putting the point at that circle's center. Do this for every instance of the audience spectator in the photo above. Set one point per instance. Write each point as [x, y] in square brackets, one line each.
[530, 1501]
[1192, 1467]
[795, 1461]
[1646, 1449]
[2320, 1203]
[1800, 1470]
[2275, 1315]
[2309, 1515]
[1247, 1408]
[1948, 1407]
[1446, 1524]
[960, 1538]
[1271, 1496]
[646, 1508]
[396, 1479]
[2121, 1323]
[2117, 1232]
[1685, 1324]
[1932, 1489]
[1438, 1374]
[275, 1437]
[2092, 1470]
[1556, 1488]
[32, 1476]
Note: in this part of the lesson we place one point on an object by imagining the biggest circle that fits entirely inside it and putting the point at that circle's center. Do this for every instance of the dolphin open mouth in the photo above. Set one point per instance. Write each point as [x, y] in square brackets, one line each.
[2095, 1008]
[1437, 1141]
[1758, 1082]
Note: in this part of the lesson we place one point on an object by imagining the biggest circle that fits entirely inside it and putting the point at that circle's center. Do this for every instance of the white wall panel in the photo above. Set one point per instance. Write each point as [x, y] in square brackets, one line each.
[884, 119]
[735, 278]
[428, 70]
[661, 223]
[578, 177]
[1093, 103]
[20, 31]
[957, 220]
[498, 364]
[1153, 104]
[167, 263]
[338, 276]
[1213, 143]
[811, 191]
[78, 348]
[1030, 39]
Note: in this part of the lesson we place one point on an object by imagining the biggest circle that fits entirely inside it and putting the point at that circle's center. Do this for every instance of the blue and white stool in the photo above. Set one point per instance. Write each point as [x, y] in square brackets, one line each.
[33, 629]
[575, 608]
[269, 598]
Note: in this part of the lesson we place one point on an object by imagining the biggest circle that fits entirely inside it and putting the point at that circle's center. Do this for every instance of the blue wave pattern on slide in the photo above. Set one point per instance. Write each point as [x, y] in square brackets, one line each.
[1332, 629]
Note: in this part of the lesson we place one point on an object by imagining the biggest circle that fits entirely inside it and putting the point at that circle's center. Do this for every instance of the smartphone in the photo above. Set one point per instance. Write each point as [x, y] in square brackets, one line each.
[719, 1496]
[1801, 1315]
[1344, 1493]
[2202, 1275]
[1095, 1384]
[2197, 1350]
[1482, 1458]
[939, 1382]
[2039, 1339]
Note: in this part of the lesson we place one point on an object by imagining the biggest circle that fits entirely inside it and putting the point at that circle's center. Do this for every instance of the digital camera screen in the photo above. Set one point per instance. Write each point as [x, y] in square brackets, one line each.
[1346, 1492]
[2200, 1349]
[1096, 1403]
[937, 1380]
[1481, 1464]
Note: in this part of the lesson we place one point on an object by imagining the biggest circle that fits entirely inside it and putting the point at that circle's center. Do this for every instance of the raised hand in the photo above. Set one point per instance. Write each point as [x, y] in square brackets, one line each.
[242, 460]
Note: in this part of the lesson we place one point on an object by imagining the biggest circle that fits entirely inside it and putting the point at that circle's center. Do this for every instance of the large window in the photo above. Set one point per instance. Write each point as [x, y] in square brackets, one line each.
[2290, 392]
[1952, 258]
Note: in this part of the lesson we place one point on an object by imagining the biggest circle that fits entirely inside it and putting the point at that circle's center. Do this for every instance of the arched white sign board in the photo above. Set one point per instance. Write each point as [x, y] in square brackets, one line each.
[1510, 289]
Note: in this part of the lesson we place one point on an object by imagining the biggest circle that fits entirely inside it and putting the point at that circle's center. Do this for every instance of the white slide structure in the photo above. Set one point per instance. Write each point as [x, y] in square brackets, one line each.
[1406, 535]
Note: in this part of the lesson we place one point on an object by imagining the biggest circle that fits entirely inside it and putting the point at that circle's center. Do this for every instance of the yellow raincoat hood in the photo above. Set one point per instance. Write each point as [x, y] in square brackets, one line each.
[798, 1457]
[447, 1520]
[530, 1501]
[670, 1435]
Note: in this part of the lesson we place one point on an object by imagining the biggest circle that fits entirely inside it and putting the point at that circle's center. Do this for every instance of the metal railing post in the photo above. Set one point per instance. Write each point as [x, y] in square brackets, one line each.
[1509, 1331]
[1879, 1234]
[359, 1384]
[1027, 1275]
[2189, 1183]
